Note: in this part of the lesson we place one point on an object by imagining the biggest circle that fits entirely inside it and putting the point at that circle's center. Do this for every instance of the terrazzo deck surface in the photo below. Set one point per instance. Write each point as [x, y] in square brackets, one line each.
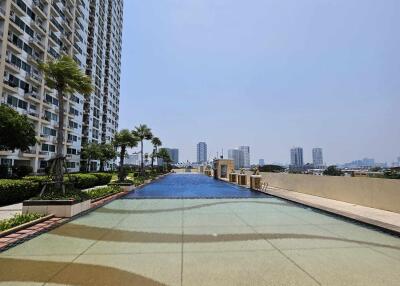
[263, 241]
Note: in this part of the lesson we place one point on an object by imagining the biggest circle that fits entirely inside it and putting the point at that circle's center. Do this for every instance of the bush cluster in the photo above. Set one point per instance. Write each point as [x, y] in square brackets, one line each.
[103, 178]
[14, 191]
[101, 192]
[17, 220]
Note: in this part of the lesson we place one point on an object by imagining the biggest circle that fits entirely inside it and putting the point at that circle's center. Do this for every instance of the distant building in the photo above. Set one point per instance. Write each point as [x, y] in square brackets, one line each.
[132, 160]
[237, 156]
[296, 158]
[318, 160]
[201, 152]
[173, 154]
[246, 156]
[261, 162]
[360, 164]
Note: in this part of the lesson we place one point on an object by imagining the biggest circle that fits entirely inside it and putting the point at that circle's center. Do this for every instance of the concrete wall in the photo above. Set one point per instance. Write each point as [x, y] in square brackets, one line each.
[185, 171]
[371, 192]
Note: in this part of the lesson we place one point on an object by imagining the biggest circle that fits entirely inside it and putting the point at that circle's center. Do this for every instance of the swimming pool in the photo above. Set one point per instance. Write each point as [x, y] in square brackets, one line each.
[192, 186]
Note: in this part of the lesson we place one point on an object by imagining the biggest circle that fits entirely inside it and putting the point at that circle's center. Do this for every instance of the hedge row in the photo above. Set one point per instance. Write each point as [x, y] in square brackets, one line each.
[15, 191]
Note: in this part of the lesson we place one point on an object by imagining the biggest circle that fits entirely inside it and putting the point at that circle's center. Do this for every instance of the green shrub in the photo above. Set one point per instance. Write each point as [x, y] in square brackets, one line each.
[37, 179]
[21, 171]
[15, 191]
[84, 181]
[103, 178]
[101, 192]
[17, 220]
[70, 194]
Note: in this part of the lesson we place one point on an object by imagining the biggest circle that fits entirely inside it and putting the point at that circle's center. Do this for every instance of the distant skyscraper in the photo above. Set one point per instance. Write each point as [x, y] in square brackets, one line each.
[201, 152]
[261, 162]
[237, 156]
[317, 157]
[173, 154]
[296, 157]
[246, 156]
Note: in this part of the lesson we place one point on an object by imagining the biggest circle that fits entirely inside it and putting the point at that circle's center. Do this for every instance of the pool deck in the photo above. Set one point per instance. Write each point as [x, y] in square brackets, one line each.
[380, 218]
[264, 241]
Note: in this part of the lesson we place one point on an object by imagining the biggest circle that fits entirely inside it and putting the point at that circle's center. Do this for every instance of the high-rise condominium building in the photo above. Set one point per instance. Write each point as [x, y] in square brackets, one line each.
[237, 156]
[201, 152]
[173, 154]
[246, 156]
[261, 162]
[318, 160]
[296, 157]
[42, 30]
[33, 31]
[103, 64]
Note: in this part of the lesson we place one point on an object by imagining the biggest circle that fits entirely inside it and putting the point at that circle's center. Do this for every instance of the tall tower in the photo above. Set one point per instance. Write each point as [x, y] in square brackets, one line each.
[246, 156]
[103, 64]
[201, 152]
[318, 160]
[296, 157]
[35, 31]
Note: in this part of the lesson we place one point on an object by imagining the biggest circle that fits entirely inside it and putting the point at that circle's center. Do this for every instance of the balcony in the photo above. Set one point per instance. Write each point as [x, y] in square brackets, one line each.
[16, 9]
[10, 86]
[39, 8]
[38, 43]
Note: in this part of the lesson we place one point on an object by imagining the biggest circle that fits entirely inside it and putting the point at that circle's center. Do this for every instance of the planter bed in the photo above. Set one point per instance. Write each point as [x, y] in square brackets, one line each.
[25, 225]
[60, 208]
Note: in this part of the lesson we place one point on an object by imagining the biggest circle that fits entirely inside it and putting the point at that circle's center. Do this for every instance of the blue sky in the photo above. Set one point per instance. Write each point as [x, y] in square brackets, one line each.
[268, 74]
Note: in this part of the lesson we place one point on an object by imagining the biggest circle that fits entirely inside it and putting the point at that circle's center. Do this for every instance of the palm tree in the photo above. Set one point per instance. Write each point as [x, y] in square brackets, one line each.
[65, 76]
[90, 151]
[156, 143]
[142, 132]
[124, 139]
[107, 153]
[164, 155]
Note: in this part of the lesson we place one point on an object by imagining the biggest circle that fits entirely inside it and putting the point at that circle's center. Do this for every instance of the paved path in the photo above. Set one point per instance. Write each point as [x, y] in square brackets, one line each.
[381, 218]
[10, 211]
[205, 242]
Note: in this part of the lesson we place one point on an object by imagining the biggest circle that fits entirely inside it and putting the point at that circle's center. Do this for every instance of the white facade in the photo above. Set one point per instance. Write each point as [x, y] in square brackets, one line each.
[201, 152]
[101, 109]
[237, 156]
[35, 31]
[90, 31]
[296, 157]
[318, 160]
[246, 156]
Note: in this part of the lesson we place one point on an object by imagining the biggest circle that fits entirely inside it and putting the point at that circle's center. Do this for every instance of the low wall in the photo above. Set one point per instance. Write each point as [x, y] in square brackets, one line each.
[185, 170]
[370, 192]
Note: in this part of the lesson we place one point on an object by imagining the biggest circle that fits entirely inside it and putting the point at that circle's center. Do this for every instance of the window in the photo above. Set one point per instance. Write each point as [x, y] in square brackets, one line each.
[48, 148]
[51, 116]
[16, 102]
[49, 131]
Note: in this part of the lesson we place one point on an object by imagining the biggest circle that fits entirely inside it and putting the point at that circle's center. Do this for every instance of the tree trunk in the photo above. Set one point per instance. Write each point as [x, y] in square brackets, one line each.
[152, 158]
[141, 156]
[59, 168]
[101, 165]
[121, 164]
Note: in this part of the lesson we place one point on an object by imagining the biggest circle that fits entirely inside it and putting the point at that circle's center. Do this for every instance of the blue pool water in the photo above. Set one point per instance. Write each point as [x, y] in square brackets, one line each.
[192, 186]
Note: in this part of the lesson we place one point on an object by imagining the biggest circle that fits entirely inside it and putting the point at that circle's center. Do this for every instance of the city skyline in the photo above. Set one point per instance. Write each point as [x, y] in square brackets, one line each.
[270, 75]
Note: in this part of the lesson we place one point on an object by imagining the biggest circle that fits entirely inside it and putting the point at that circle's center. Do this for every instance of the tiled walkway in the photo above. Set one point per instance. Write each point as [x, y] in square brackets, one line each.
[205, 242]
